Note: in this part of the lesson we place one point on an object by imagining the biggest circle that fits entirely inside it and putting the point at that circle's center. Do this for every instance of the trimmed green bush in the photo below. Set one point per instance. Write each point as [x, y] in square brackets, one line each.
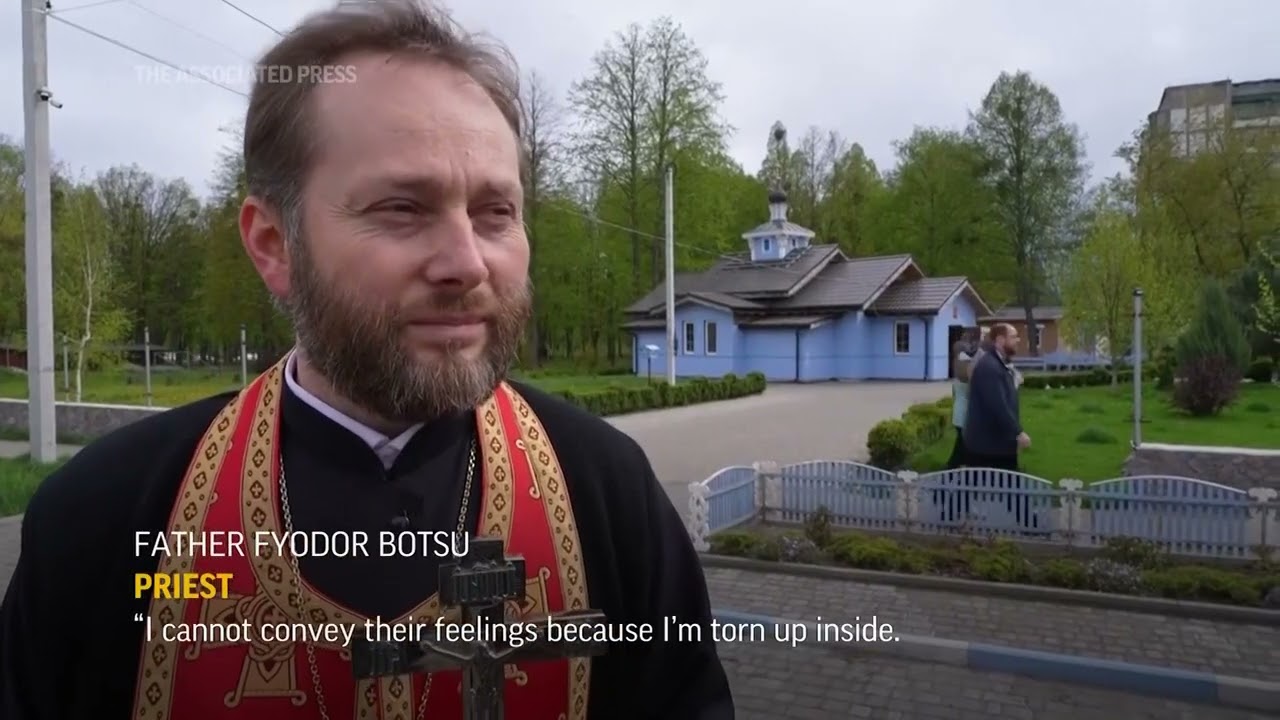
[890, 443]
[1260, 370]
[627, 399]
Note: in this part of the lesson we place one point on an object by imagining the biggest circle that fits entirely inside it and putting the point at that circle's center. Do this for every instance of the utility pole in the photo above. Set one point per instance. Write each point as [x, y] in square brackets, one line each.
[671, 277]
[1137, 367]
[41, 420]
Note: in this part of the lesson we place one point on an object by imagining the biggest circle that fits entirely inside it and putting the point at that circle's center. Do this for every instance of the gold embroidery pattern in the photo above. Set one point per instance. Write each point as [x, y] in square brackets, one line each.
[261, 513]
[366, 700]
[397, 697]
[495, 518]
[555, 499]
[157, 668]
[268, 669]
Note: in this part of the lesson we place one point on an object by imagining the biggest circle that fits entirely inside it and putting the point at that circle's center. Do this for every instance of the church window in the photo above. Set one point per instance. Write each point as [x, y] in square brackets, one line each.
[709, 338]
[689, 330]
[902, 338]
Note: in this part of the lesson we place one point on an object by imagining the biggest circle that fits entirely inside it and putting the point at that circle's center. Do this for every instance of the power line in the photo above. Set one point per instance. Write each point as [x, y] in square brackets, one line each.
[187, 28]
[714, 254]
[142, 53]
[86, 6]
[251, 16]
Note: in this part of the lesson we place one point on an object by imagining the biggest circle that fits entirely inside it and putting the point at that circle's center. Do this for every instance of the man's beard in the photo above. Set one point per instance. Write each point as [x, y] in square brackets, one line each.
[360, 351]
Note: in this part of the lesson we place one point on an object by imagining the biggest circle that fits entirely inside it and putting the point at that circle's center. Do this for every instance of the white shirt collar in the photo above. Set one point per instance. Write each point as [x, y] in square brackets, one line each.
[386, 448]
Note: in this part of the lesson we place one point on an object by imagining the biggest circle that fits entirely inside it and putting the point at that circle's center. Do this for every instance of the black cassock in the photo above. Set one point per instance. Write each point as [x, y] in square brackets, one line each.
[69, 647]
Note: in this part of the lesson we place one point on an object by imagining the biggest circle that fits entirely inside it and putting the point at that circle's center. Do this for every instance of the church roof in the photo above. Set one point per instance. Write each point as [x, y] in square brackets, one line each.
[924, 295]
[739, 276]
[818, 277]
[779, 226]
[848, 283]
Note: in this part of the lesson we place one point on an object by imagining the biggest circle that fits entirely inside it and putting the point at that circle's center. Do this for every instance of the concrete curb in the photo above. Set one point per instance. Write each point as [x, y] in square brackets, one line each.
[1130, 603]
[1184, 685]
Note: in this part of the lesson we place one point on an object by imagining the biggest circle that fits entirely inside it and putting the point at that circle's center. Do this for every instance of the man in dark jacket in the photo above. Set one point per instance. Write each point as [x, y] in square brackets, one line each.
[993, 430]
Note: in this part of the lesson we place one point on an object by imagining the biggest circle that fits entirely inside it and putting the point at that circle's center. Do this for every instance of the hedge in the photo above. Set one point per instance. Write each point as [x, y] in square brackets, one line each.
[892, 442]
[1085, 378]
[622, 400]
[1124, 566]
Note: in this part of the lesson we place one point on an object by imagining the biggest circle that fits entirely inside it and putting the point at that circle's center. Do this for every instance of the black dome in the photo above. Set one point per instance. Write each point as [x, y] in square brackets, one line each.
[777, 196]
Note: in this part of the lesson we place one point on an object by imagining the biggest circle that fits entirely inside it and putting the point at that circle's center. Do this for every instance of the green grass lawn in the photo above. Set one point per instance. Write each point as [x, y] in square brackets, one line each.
[1084, 433]
[18, 480]
[170, 388]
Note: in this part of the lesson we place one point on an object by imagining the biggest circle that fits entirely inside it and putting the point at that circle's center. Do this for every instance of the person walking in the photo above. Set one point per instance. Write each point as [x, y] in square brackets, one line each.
[993, 433]
[963, 354]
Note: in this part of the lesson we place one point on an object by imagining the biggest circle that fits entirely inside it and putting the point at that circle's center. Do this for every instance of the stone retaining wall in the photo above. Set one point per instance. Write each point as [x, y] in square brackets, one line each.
[76, 421]
[1242, 468]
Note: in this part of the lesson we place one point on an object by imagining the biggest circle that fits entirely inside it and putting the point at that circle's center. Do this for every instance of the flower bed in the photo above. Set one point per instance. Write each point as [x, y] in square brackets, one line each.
[1124, 566]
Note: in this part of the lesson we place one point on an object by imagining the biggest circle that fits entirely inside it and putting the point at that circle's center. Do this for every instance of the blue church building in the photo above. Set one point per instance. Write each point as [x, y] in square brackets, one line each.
[805, 312]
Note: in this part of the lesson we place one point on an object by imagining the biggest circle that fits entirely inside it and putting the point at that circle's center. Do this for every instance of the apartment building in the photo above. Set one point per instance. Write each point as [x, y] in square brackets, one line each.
[1190, 113]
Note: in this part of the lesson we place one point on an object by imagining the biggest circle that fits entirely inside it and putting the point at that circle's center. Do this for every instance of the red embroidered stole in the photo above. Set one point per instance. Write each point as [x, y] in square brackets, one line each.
[232, 485]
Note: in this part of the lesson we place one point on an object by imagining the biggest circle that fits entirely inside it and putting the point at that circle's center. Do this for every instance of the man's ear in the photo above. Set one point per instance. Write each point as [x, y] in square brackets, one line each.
[262, 232]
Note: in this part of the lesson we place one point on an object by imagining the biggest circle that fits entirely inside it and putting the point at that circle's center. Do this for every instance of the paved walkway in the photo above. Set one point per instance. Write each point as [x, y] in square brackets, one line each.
[815, 683]
[1251, 651]
[788, 423]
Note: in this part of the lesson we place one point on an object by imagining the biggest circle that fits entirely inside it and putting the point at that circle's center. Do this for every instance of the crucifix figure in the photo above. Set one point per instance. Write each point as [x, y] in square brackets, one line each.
[480, 583]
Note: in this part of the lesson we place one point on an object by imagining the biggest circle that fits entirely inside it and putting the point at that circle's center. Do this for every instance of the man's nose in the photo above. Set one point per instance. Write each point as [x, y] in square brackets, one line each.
[457, 258]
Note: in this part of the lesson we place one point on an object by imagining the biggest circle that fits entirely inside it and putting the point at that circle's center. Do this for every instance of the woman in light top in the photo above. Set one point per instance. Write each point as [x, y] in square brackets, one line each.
[963, 354]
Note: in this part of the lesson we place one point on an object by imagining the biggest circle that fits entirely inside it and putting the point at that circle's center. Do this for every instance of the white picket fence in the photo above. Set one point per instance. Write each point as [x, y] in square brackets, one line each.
[1184, 515]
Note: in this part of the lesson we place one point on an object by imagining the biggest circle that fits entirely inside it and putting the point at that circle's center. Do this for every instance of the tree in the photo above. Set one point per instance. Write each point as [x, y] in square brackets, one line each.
[813, 168]
[1036, 171]
[682, 110]
[610, 104]
[87, 286]
[1266, 310]
[1098, 292]
[847, 211]
[647, 97]
[1212, 354]
[229, 292]
[12, 214]
[151, 222]
[941, 211]
[1267, 321]
[543, 148]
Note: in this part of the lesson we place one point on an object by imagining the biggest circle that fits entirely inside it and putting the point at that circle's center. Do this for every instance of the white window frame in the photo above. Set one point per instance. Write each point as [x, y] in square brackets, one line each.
[896, 325]
[689, 346]
[1039, 336]
[710, 332]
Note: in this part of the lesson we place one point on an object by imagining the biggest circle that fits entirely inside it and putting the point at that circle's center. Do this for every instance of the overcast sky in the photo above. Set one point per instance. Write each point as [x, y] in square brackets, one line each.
[870, 69]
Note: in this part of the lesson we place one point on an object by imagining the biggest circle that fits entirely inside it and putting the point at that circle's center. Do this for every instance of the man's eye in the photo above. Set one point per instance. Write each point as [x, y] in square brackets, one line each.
[397, 207]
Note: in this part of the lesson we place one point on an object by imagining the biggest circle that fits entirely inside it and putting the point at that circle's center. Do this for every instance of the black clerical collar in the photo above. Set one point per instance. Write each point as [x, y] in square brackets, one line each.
[303, 426]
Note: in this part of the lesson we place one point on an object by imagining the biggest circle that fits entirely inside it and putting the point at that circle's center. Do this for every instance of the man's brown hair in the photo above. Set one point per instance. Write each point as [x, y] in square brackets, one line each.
[279, 128]
[1002, 330]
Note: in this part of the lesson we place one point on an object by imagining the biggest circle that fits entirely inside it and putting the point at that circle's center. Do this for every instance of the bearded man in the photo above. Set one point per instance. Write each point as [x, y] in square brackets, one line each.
[384, 214]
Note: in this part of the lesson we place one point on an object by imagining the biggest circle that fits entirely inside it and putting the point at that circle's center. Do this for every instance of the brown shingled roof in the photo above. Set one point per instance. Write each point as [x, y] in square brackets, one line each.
[917, 296]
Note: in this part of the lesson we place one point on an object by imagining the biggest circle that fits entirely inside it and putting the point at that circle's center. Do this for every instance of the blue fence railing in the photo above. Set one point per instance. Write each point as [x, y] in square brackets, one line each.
[1186, 515]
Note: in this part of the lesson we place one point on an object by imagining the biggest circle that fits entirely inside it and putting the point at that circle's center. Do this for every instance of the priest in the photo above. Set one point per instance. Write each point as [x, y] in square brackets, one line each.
[383, 160]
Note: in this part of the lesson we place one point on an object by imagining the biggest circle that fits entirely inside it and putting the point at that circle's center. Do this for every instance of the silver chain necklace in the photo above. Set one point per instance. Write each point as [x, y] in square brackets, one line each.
[297, 577]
